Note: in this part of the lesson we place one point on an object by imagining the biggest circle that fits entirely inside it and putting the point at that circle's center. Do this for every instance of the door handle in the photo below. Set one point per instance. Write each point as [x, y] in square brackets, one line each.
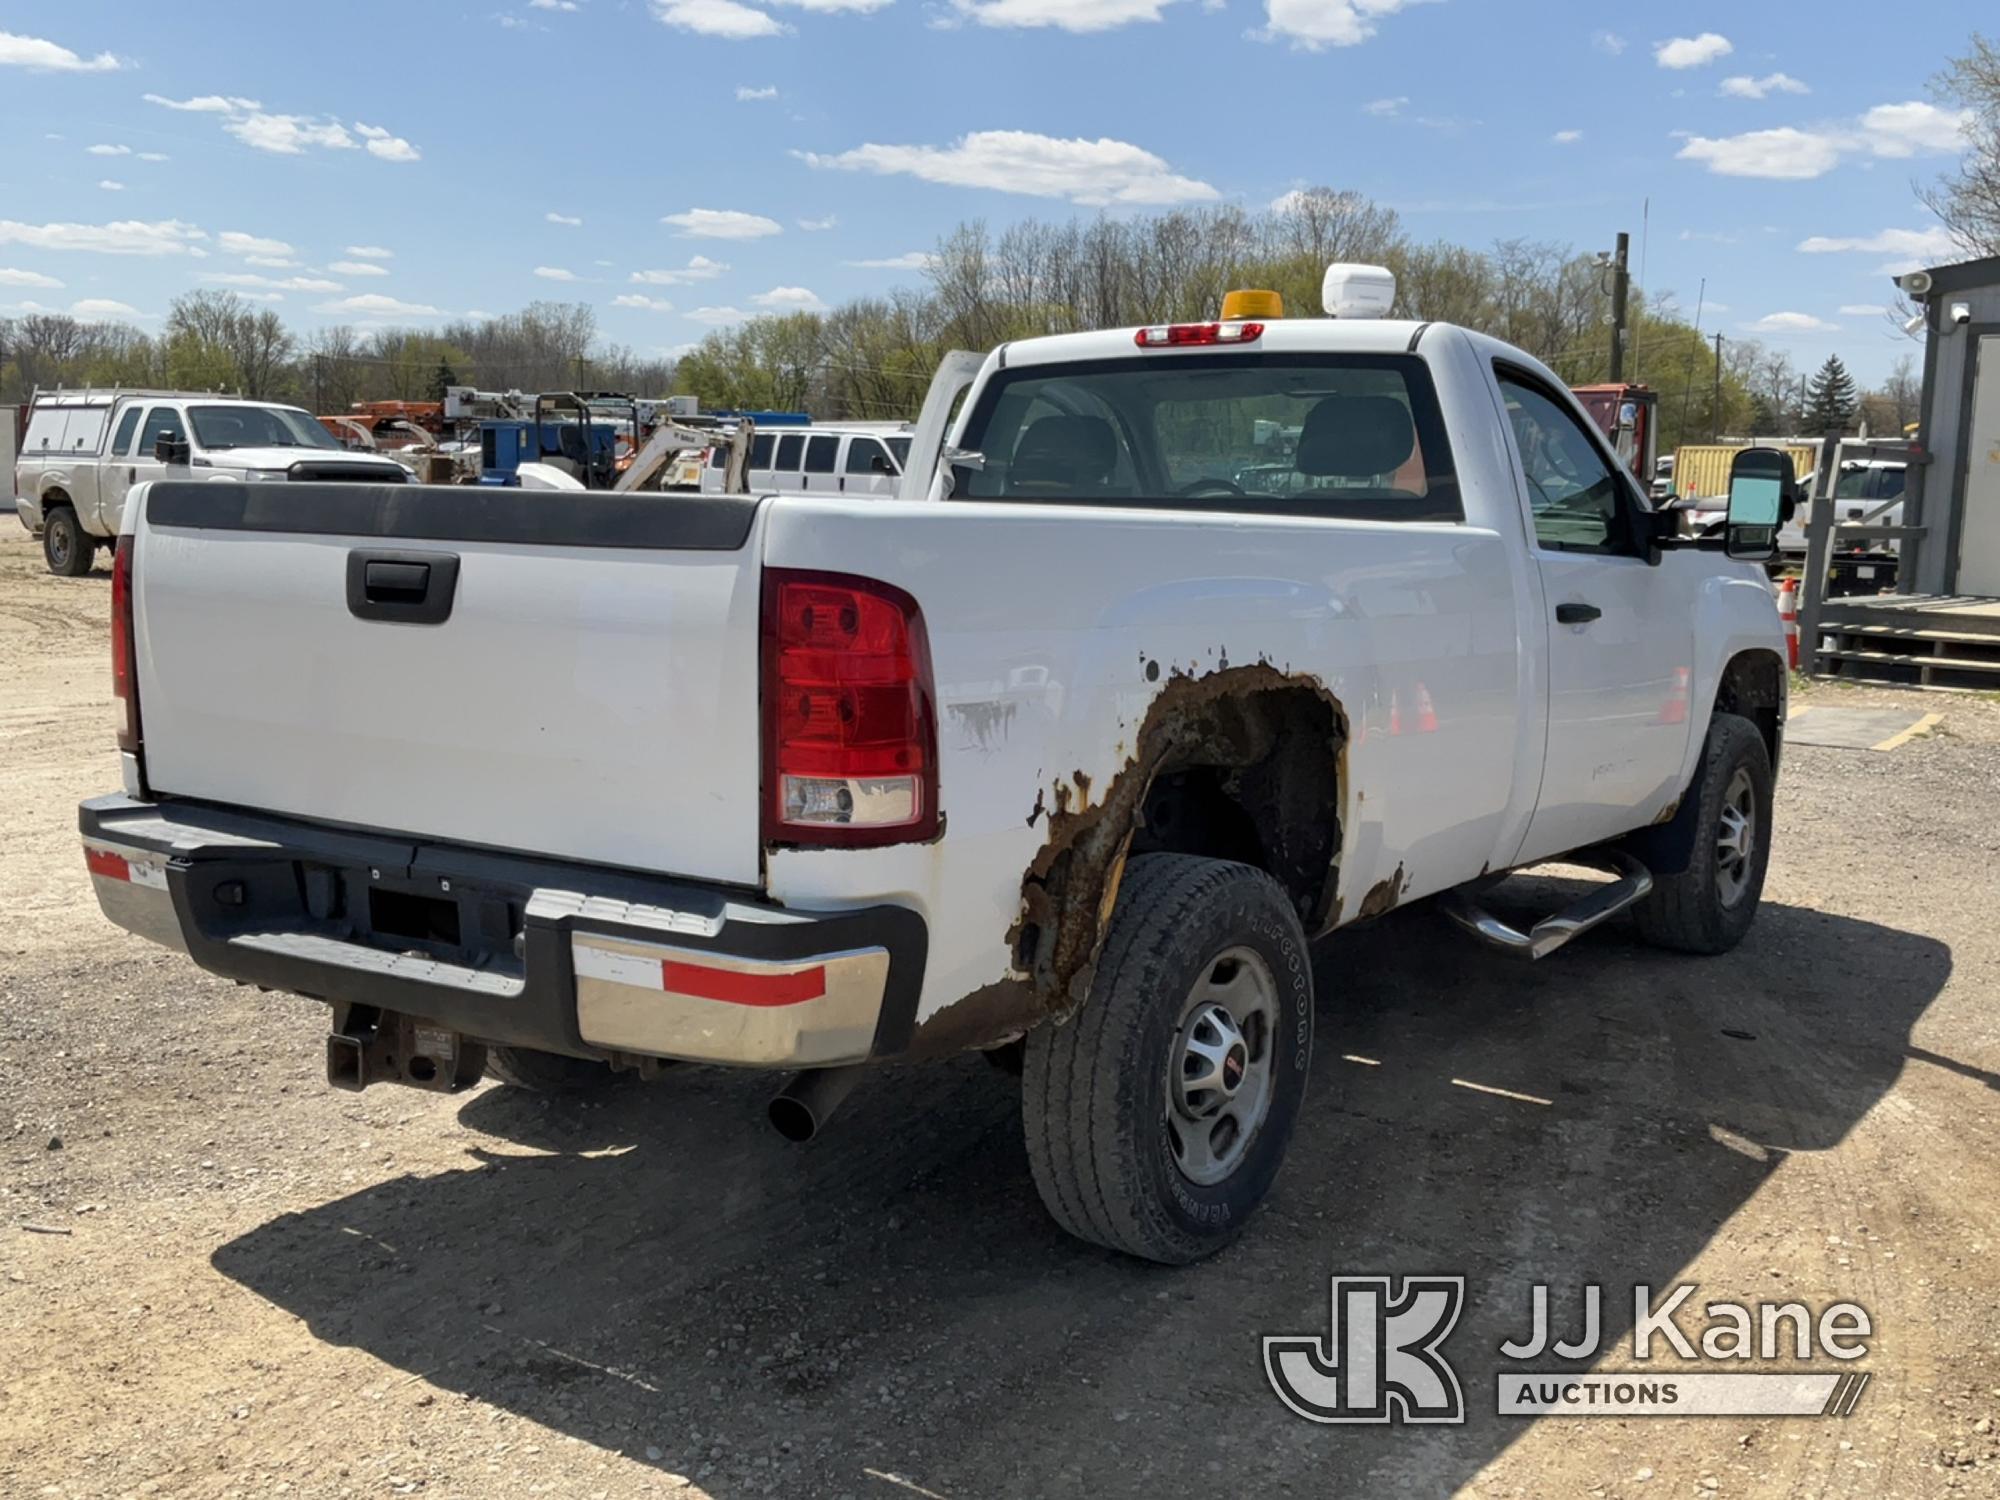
[406, 588]
[1576, 613]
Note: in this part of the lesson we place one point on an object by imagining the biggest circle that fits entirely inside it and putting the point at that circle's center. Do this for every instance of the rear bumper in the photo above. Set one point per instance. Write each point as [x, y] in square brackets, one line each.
[29, 509]
[504, 948]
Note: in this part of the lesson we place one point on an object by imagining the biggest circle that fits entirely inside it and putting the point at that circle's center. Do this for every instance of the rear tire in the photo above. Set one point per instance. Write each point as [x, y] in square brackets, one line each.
[1709, 906]
[1158, 1115]
[66, 547]
[547, 1072]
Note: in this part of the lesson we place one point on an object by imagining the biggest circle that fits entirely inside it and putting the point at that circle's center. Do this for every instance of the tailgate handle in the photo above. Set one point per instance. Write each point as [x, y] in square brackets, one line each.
[404, 588]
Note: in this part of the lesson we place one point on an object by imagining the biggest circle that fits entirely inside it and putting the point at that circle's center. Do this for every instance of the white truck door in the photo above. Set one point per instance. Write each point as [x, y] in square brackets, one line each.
[865, 468]
[161, 421]
[116, 473]
[1620, 632]
[1979, 531]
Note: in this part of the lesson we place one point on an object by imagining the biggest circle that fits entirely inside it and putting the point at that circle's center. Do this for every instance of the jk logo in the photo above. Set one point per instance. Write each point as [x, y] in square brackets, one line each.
[1379, 1360]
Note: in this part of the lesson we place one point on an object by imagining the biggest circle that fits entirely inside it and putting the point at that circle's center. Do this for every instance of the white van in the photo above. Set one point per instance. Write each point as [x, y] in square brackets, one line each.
[857, 459]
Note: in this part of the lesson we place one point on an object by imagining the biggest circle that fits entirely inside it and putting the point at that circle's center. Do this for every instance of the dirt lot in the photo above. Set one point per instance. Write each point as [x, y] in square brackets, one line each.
[264, 1287]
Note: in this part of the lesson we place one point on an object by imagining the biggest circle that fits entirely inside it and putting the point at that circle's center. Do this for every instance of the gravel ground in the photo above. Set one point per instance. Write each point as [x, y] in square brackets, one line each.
[265, 1287]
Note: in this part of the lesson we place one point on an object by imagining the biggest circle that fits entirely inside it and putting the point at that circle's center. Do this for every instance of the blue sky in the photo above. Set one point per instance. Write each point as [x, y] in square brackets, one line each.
[679, 163]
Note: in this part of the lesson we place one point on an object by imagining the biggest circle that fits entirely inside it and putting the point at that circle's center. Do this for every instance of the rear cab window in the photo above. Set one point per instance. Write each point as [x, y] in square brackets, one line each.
[128, 423]
[790, 448]
[1344, 436]
[821, 452]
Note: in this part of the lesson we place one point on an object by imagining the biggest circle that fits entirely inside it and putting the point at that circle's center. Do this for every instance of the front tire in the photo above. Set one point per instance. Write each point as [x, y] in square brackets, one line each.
[1157, 1116]
[66, 547]
[1709, 906]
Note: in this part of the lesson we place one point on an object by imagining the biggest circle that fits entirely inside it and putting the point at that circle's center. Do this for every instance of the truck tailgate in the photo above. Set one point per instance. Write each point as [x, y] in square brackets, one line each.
[591, 694]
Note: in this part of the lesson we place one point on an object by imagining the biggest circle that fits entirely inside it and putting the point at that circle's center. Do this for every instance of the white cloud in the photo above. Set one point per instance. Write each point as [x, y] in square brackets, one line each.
[570, 219]
[375, 305]
[1069, 15]
[1385, 106]
[745, 94]
[720, 18]
[717, 316]
[555, 273]
[701, 268]
[834, 7]
[789, 299]
[126, 237]
[1935, 243]
[1313, 25]
[110, 186]
[289, 135]
[385, 145]
[11, 277]
[1018, 161]
[553, 5]
[1692, 51]
[207, 104]
[357, 268]
[154, 156]
[818, 226]
[1785, 153]
[1888, 130]
[370, 252]
[1567, 137]
[275, 262]
[40, 56]
[914, 260]
[1899, 130]
[639, 299]
[1791, 322]
[1610, 43]
[103, 307]
[1862, 310]
[241, 279]
[1743, 86]
[109, 150]
[722, 224]
[235, 242]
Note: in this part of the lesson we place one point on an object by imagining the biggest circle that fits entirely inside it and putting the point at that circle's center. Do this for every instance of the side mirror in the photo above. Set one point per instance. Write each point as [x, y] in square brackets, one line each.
[171, 451]
[880, 465]
[1760, 481]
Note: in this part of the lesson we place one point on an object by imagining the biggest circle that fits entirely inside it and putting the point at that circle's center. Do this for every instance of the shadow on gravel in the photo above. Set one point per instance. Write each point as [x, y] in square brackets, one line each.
[891, 1300]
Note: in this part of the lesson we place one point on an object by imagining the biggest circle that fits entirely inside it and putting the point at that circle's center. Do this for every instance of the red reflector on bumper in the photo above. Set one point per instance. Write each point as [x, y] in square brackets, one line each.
[104, 862]
[743, 989]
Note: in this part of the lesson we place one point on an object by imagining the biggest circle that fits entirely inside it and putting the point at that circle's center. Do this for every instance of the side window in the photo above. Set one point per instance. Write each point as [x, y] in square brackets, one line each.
[866, 456]
[790, 447]
[1572, 488]
[821, 452]
[161, 421]
[45, 430]
[718, 456]
[85, 431]
[121, 441]
[760, 450]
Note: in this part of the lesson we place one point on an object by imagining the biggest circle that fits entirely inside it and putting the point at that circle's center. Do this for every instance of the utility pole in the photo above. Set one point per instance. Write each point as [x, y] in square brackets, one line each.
[1715, 406]
[1621, 286]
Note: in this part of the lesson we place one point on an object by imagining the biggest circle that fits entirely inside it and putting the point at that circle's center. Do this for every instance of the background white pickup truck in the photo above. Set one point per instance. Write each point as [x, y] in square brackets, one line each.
[84, 450]
[1205, 639]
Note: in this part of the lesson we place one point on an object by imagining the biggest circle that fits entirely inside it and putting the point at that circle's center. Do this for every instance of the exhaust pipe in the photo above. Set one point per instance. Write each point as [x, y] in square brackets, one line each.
[799, 1111]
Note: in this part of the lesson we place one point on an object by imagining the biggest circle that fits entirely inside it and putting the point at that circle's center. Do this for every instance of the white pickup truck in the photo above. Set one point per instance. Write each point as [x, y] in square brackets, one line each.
[84, 450]
[1198, 641]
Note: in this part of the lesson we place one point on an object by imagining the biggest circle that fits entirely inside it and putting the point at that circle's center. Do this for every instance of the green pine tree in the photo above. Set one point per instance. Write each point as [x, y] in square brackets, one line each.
[1831, 399]
[442, 377]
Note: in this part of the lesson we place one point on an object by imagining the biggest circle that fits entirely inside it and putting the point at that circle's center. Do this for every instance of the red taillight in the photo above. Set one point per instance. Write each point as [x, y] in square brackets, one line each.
[850, 737]
[124, 660]
[1180, 335]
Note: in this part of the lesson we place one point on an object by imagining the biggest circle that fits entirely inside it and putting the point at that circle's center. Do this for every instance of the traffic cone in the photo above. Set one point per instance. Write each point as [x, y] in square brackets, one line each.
[1788, 611]
[1427, 719]
[1675, 709]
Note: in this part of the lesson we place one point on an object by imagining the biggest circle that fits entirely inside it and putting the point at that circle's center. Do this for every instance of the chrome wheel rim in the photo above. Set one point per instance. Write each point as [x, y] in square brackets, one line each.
[1736, 838]
[59, 545]
[1220, 1067]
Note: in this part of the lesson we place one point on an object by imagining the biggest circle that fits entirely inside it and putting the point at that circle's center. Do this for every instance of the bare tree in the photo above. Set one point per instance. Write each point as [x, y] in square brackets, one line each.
[1968, 198]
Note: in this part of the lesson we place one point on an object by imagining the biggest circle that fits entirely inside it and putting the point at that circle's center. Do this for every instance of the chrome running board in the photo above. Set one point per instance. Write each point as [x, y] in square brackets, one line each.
[1633, 883]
